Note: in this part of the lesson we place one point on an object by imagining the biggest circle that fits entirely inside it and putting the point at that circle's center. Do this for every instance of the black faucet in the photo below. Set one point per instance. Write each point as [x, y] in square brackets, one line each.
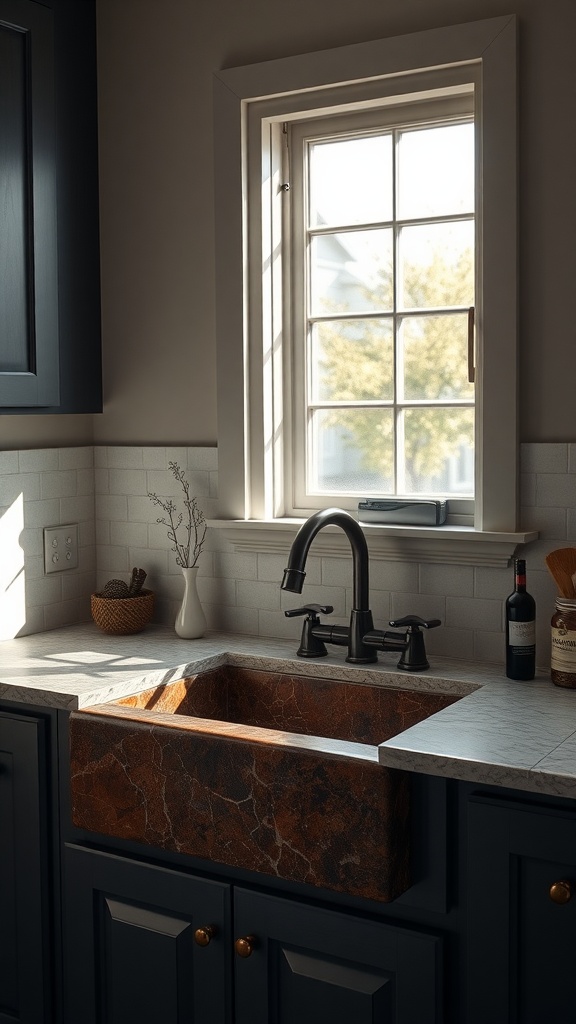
[361, 617]
[362, 640]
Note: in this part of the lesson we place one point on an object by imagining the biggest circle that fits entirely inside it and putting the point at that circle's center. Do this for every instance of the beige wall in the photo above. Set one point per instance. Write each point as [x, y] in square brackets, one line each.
[156, 59]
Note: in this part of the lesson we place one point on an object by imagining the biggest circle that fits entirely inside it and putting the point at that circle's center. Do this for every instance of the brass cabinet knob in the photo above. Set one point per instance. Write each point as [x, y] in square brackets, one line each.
[202, 936]
[246, 945]
[560, 892]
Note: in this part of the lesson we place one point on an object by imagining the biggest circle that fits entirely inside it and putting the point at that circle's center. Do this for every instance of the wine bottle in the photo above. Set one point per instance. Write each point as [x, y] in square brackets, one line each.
[520, 627]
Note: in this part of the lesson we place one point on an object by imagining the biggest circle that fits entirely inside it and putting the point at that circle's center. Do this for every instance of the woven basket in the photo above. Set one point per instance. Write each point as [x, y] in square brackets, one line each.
[122, 615]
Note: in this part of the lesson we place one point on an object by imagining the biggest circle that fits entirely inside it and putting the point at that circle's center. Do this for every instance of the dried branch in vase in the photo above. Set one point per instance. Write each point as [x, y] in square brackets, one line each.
[187, 529]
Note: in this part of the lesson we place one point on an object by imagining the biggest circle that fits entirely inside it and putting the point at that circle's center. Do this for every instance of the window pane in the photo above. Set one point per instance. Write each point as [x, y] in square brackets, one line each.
[437, 454]
[352, 360]
[352, 450]
[436, 171]
[351, 272]
[436, 265]
[351, 181]
[434, 357]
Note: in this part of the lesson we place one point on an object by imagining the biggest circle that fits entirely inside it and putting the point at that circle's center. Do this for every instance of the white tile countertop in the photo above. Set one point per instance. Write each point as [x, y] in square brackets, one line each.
[515, 734]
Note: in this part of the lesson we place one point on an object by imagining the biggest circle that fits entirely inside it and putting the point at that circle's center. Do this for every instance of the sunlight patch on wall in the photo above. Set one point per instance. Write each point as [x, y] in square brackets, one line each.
[12, 577]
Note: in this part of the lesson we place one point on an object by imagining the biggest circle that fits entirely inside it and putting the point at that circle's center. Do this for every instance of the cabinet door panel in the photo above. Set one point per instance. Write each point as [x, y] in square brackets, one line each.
[546, 942]
[23, 880]
[521, 943]
[312, 987]
[130, 954]
[315, 966]
[29, 363]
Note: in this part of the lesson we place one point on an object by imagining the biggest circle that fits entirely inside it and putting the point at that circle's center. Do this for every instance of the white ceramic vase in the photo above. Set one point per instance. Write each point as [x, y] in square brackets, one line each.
[190, 621]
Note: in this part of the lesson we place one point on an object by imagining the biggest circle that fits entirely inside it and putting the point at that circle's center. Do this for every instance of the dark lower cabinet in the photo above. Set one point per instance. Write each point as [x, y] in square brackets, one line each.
[26, 944]
[150, 945]
[142, 944]
[309, 965]
[521, 914]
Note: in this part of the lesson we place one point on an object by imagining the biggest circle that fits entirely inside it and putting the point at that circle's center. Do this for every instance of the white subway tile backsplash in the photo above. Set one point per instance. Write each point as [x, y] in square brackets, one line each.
[8, 464]
[127, 481]
[275, 623]
[58, 484]
[550, 522]
[32, 543]
[556, 489]
[45, 590]
[448, 580]
[66, 613]
[528, 483]
[492, 583]
[394, 576]
[112, 558]
[256, 594]
[42, 513]
[154, 458]
[215, 591]
[85, 483]
[450, 643]
[544, 458]
[76, 458]
[122, 457]
[236, 566]
[110, 507]
[78, 509]
[39, 460]
[489, 647]
[127, 534]
[232, 618]
[473, 613]
[141, 510]
[19, 485]
[105, 489]
[427, 606]
[154, 562]
[202, 458]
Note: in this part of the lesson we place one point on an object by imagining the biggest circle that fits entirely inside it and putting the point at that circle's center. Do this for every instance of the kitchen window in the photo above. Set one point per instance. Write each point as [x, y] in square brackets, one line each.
[381, 256]
[295, 285]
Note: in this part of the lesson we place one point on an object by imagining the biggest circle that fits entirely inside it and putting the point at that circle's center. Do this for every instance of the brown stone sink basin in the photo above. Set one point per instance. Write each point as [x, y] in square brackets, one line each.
[267, 771]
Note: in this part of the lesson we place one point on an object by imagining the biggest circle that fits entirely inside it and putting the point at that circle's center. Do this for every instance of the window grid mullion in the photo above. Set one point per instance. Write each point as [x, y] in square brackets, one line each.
[395, 320]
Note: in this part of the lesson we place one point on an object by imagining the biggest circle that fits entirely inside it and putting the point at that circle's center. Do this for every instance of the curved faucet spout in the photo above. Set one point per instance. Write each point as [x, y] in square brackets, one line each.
[295, 572]
[361, 616]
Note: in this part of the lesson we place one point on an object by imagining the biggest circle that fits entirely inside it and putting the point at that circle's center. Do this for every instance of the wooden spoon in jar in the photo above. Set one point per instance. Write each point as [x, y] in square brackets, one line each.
[562, 566]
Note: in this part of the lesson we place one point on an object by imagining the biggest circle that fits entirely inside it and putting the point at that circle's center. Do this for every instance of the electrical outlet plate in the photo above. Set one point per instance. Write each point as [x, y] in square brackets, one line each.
[60, 548]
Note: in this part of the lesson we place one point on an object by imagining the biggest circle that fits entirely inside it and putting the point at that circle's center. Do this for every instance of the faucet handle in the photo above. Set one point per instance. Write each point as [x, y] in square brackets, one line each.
[414, 657]
[415, 621]
[310, 645]
[311, 610]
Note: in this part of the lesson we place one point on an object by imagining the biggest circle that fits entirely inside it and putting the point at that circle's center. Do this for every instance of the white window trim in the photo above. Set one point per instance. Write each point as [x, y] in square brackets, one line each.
[440, 101]
[299, 80]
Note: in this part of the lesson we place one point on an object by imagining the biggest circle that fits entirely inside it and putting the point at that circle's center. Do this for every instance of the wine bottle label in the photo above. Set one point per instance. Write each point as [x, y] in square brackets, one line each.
[522, 634]
[563, 654]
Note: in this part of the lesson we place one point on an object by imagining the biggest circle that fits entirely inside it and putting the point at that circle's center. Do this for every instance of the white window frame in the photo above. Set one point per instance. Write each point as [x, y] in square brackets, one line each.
[454, 102]
[248, 103]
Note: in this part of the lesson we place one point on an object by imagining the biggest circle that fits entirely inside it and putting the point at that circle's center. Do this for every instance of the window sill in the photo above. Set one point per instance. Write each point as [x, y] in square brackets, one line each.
[452, 545]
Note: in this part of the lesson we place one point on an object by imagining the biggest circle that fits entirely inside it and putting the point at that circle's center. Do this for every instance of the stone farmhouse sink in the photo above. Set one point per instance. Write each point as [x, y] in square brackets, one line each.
[266, 771]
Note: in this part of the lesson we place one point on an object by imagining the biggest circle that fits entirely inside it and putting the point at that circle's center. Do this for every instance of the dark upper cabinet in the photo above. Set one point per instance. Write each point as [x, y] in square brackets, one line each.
[50, 354]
